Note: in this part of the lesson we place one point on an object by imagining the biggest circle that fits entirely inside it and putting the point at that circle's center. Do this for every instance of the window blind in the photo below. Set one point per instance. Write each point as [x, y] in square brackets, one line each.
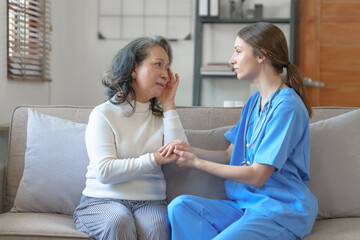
[29, 42]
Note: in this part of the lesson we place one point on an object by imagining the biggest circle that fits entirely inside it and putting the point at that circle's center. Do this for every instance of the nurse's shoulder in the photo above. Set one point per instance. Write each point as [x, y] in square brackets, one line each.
[289, 103]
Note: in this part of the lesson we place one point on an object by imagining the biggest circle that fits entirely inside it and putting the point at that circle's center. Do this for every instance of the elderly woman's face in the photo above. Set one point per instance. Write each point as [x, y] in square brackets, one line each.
[152, 75]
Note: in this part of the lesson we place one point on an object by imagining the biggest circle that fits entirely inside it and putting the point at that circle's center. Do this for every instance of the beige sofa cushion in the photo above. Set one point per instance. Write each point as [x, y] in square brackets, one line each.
[55, 166]
[335, 165]
[38, 226]
[335, 229]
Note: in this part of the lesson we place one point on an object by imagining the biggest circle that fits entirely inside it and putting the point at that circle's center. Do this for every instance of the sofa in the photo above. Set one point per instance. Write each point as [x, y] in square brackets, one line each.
[44, 174]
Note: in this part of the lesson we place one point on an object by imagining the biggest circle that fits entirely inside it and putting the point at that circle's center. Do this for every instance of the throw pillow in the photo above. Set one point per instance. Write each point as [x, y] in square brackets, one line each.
[192, 181]
[335, 165]
[55, 166]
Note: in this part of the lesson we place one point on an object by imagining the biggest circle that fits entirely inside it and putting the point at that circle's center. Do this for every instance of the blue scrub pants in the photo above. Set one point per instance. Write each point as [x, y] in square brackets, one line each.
[194, 217]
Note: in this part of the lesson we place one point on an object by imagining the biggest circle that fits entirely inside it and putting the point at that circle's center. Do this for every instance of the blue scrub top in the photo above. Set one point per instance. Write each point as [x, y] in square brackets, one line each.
[283, 142]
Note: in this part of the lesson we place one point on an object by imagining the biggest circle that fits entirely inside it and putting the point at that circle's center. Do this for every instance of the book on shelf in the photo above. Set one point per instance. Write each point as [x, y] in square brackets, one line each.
[203, 8]
[209, 8]
[214, 10]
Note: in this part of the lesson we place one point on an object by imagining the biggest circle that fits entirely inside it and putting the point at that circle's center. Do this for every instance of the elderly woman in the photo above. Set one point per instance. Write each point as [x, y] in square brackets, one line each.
[124, 197]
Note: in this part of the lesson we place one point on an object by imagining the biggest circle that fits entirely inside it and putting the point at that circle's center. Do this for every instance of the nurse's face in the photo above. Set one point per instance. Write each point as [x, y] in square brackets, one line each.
[245, 63]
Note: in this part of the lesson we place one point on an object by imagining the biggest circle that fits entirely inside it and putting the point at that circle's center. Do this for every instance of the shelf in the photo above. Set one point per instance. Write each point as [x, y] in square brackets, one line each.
[198, 54]
[243, 20]
[4, 127]
[218, 75]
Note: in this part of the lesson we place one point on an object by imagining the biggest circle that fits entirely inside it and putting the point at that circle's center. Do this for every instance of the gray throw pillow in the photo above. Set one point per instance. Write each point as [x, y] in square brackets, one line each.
[335, 165]
[192, 181]
[55, 166]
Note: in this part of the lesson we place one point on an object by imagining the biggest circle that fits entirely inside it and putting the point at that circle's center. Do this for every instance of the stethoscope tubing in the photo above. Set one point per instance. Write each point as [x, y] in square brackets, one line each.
[256, 133]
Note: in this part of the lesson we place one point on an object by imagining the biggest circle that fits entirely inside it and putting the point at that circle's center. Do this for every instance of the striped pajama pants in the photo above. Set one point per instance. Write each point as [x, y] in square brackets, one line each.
[122, 219]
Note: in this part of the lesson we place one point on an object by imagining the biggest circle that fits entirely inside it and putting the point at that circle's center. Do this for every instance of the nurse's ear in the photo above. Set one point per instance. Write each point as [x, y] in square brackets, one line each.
[262, 57]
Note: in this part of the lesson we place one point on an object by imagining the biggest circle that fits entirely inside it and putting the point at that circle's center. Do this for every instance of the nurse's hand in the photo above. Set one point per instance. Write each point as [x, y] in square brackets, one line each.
[169, 148]
[186, 159]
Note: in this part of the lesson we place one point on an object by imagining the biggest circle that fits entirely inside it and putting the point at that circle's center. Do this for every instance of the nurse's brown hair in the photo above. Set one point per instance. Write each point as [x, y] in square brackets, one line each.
[269, 41]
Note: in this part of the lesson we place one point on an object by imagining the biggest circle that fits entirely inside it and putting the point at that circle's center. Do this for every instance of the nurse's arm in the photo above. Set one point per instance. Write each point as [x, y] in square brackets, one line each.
[215, 156]
[255, 175]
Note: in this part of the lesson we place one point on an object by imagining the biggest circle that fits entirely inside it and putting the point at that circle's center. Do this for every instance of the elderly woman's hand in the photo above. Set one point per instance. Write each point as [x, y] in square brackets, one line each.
[165, 160]
[167, 97]
[169, 148]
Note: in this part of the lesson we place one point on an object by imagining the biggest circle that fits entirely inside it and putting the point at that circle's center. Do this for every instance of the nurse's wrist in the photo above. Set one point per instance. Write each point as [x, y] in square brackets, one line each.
[193, 150]
[198, 163]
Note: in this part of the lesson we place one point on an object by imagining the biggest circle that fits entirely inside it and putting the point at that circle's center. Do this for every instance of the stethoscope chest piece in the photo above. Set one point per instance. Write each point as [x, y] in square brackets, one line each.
[246, 163]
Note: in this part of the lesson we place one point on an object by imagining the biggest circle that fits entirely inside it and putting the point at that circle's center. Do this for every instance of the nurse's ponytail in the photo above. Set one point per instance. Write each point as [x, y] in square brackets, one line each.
[268, 40]
[294, 79]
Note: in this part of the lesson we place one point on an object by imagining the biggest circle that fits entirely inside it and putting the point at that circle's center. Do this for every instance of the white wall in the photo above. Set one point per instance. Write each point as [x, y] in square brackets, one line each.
[13, 93]
[79, 58]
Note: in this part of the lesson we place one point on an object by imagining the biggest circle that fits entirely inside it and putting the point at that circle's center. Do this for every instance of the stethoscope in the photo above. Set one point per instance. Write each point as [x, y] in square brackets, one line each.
[256, 133]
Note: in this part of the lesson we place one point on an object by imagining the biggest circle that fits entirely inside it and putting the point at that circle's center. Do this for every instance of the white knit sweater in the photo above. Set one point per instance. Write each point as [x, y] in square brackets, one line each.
[121, 148]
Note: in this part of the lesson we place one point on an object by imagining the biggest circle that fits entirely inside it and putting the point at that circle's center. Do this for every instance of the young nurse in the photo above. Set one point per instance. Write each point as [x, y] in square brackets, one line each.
[266, 180]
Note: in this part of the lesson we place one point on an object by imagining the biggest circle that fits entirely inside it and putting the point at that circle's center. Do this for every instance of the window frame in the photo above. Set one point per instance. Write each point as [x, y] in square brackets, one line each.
[28, 40]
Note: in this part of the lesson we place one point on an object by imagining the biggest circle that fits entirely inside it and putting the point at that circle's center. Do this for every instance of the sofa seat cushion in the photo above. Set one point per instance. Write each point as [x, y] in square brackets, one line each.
[38, 226]
[339, 228]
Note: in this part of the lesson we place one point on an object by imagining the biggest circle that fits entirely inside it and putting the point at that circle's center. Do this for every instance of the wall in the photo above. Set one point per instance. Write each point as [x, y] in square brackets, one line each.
[77, 62]
[13, 93]
[79, 58]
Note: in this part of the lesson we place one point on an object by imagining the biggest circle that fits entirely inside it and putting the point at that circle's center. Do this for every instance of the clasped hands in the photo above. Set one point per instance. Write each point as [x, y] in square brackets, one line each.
[177, 151]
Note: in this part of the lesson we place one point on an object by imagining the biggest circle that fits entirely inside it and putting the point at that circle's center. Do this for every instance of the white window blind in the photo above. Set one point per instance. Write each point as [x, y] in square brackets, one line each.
[29, 43]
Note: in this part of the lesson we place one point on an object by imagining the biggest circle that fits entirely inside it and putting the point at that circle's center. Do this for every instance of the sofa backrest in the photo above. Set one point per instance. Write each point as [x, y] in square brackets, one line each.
[206, 118]
[193, 118]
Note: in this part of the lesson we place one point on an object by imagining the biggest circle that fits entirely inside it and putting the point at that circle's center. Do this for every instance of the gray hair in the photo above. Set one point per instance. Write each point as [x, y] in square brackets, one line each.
[118, 79]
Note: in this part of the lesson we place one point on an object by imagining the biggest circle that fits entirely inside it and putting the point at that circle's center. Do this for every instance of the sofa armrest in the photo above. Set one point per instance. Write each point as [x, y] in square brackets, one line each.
[2, 186]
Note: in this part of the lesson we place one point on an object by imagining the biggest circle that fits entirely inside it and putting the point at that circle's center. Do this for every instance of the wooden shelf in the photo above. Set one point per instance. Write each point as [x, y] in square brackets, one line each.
[204, 75]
